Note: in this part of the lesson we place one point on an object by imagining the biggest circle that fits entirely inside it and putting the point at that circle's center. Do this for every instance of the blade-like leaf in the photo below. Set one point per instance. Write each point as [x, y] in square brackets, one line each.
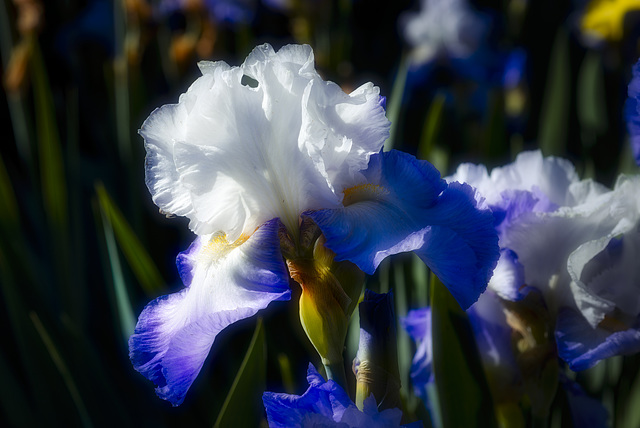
[62, 368]
[463, 392]
[554, 117]
[394, 105]
[124, 311]
[243, 405]
[138, 258]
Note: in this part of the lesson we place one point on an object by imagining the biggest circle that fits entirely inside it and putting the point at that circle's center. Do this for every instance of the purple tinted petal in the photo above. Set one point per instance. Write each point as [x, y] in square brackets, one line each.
[186, 262]
[229, 282]
[323, 398]
[632, 112]
[582, 346]
[418, 324]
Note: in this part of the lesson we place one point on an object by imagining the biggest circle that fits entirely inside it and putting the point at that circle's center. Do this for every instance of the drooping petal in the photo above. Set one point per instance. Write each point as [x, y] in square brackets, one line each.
[582, 346]
[264, 140]
[226, 282]
[404, 206]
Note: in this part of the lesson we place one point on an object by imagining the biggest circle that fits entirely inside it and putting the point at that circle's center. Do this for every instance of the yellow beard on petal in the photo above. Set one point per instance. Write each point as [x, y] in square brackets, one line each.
[218, 247]
[363, 192]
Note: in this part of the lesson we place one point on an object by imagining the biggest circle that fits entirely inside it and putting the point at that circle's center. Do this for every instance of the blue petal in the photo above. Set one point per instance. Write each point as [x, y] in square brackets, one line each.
[323, 398]
[418, 325]
[586, 412]
[325, 404]
[227, 283]
[582, 346]
[405, 206]
[632, 112]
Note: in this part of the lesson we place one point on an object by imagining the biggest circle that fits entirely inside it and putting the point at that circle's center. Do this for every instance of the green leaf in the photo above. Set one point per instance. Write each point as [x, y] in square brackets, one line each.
[123, 303]
[554, 117]
[243, 405]
[394, 105]
[427, 149]
[138, 258]
[63, 369]
[463, 392]
[590, 97]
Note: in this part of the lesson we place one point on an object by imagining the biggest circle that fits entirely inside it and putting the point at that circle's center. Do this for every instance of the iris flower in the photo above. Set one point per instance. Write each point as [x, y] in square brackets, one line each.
[576, 243]
[509, 369]
[250, 155]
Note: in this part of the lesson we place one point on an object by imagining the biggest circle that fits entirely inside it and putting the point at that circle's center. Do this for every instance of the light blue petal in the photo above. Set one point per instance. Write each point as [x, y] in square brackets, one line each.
[582, 346]
[175, 332]
[412, 209]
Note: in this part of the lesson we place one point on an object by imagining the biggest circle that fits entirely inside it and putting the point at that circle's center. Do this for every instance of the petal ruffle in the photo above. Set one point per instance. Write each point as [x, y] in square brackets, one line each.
[405, 206]
[227, 283]
[232, 155]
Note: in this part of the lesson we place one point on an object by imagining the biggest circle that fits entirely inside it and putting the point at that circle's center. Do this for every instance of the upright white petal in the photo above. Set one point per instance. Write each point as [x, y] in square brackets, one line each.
[268, 139]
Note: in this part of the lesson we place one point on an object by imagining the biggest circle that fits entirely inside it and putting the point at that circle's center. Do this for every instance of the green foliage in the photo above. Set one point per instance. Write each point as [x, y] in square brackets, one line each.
[463, 393]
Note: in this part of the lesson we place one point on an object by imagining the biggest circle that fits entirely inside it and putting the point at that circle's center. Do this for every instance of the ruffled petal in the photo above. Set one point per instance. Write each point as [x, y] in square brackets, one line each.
[405, 206]
[582, 346]
[325, 404]
[227, 282]
[233, 154]
[552, 176]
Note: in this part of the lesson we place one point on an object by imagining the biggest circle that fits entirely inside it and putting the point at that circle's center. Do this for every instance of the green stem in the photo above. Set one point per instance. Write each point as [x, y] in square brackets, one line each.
[335, 372]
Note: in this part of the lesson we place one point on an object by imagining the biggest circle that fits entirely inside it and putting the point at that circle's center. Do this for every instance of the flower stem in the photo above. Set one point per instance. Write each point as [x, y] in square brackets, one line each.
[335, 372]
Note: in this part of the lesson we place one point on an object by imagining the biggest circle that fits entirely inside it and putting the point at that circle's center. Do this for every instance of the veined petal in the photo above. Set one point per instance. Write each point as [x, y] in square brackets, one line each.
[227, 282]
[233, 154]
[405, 206]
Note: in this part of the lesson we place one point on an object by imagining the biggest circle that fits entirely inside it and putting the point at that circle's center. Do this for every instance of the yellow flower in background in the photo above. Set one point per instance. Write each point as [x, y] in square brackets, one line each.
[604, 19]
